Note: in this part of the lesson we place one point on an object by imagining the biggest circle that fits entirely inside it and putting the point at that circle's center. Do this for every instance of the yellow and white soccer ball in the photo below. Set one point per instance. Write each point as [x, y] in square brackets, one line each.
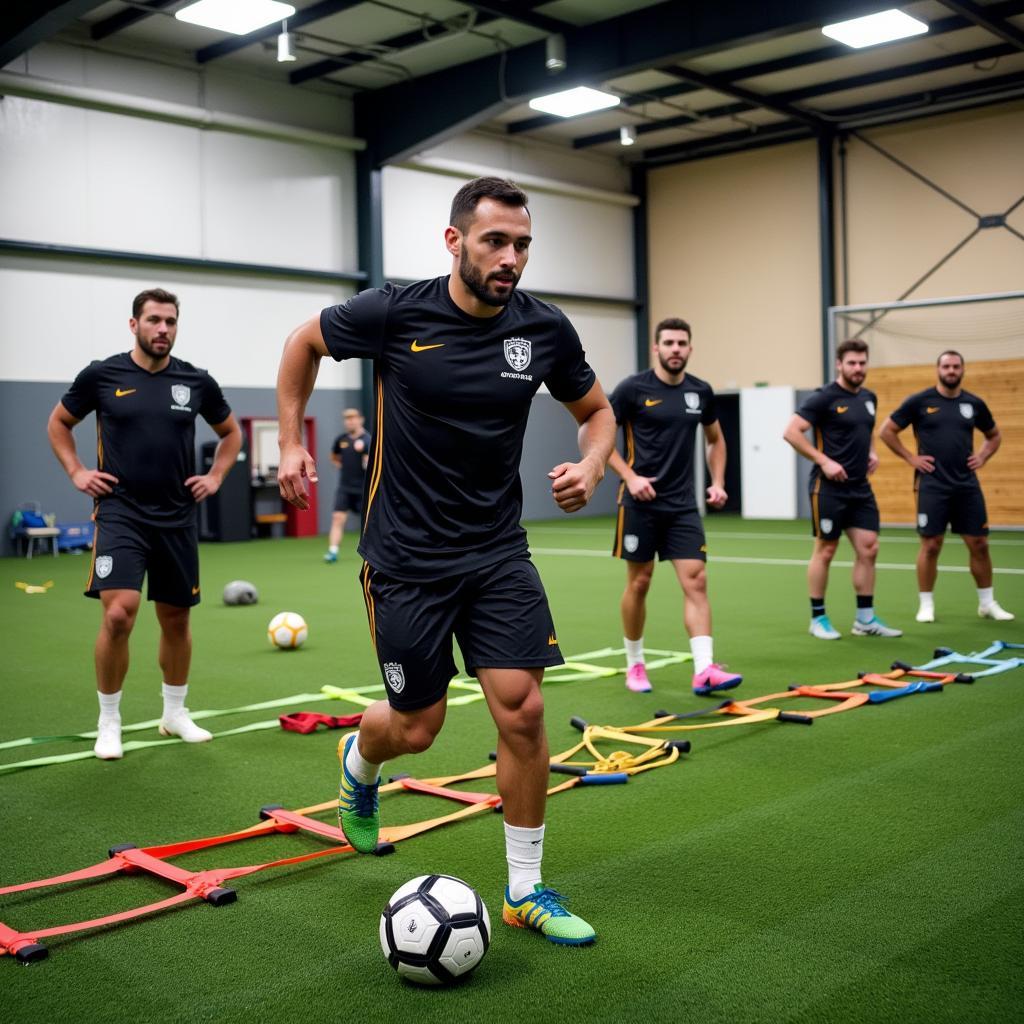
[287, 630]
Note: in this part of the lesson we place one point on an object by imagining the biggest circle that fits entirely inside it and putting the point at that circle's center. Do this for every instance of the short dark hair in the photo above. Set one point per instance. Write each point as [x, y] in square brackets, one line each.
[951, 352]
[672, 323]
[466, 199]
[851, 345]
[153, 295]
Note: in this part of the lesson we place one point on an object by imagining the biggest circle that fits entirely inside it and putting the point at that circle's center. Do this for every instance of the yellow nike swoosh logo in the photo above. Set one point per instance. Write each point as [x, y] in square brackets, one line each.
[195, 590]
[120, 394]
[842, 408]
[417, 347]
[931, 409]
[552, 641]
[653, 401]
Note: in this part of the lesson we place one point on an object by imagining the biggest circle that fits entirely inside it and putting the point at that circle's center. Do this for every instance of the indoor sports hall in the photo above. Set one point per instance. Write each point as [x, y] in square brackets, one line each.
[819, 204]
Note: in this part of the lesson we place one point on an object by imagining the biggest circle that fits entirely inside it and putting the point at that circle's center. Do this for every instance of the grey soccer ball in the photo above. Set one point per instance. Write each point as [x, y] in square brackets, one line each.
[240, 592]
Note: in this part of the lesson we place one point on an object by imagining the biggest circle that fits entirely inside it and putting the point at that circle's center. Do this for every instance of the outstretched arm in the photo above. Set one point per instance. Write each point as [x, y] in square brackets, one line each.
[573, 483]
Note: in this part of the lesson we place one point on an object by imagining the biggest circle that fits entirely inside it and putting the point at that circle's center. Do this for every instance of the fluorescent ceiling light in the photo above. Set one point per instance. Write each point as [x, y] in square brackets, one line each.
[570, 102]
[239, 17]
[875, 28]
[627, 135]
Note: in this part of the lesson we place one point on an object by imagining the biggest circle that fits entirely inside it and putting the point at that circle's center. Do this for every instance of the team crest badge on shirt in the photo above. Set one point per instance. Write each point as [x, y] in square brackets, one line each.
[394, 676]
[922, 519]
[692, 400]
[104, 564]
[870, 406]
[517, 353]
[180, 393]
[631, 542]
[826, 526]
[966, 410]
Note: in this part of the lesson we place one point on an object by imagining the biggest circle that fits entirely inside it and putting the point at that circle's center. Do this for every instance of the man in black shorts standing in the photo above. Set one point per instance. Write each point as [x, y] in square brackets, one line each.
[458, 360]
[660, 410]
[944, 419]
[145, 489]
[843, 417]
[350, 453]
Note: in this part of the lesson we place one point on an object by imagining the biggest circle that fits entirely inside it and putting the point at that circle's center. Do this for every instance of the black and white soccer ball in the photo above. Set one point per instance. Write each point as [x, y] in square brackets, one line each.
[240, 592]
[435, 929]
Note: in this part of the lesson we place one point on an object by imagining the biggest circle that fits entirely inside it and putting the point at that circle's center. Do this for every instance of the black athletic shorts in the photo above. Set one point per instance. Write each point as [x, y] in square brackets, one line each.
[963, 510]
[499, 615]
[348, 501]
[641, 533]
[125, 551]
[839, 507]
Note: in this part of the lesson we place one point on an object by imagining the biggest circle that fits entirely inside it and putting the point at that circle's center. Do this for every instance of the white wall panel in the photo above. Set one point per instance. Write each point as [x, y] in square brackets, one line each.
[54, 321]
[608, 334]
[768, 464]
[278, 203]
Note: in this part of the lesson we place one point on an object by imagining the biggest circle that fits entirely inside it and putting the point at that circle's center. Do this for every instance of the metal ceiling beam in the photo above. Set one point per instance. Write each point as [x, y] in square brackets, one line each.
[26, 23]
[459, 98]
[984, 18]
[770, 135]
[520, 13]
[810, 92]
[317, 12]
[123, 19]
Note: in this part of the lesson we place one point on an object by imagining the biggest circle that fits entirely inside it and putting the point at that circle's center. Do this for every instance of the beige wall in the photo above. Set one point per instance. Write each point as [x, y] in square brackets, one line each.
[899, 227]
[733, 249]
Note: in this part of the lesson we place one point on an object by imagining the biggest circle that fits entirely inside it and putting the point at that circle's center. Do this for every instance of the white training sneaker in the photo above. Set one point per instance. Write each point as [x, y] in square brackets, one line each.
[179, 724]
[822, 628]
[108, 739]
[876, 627]
[993, 611]
[925, 614]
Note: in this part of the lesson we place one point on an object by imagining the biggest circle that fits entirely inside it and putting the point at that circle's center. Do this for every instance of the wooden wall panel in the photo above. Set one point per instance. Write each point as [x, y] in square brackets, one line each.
[1001, 385]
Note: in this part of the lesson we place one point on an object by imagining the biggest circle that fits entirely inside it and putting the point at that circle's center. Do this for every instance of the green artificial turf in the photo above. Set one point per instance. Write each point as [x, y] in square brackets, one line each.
[867, 868]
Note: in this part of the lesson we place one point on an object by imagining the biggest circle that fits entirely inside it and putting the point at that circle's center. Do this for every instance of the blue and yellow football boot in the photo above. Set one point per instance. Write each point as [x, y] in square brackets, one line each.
[542, 910]
[358, 811]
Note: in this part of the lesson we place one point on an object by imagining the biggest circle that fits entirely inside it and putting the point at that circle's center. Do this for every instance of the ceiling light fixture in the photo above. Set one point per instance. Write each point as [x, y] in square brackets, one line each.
[239, 17]
[627, 135]
[570, 102]
[284, 45]
[554, 53]
[875, 28]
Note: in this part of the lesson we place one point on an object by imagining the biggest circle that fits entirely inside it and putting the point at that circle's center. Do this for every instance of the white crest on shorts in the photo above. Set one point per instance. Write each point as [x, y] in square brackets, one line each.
[103, 566]
[180, 393]
[826, 526]
[517, 353]
[631, 542]
[394, 676]
[870, 406]
[692, 400]
[922, 519]
[966, 410]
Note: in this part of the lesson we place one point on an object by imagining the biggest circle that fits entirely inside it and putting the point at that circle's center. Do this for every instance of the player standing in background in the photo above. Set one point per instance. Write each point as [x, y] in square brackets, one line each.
[843, 417]
[659, 411]
[944, 419]
[458, 360]
[350, 453]
[145, 492]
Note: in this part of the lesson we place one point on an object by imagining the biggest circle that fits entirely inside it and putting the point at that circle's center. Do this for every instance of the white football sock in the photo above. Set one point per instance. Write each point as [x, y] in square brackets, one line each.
[986, 595]
[110, 704]
[701, 647]
[634, 651]
[174, 698]
[359, 768]
[524, 848]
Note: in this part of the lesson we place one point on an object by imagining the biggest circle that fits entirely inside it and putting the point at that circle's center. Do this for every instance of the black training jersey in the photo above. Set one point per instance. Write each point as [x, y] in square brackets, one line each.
[145, 433]
[453, 394]
[351, 451]
[659, 422]
[944, 428]
[843, 423]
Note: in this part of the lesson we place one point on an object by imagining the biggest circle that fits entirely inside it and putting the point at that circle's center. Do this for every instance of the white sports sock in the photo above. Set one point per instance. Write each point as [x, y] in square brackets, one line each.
[110, 704]
[634, 651]
[524, 848]
[986, 595]
[701, 649]
[926, 600]
[333, 548]
[359, 768]
[174, 698]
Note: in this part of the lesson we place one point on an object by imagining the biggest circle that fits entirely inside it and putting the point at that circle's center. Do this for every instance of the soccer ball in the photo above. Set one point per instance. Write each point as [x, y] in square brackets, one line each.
[435, 929]
[287, 630]
[240, 592]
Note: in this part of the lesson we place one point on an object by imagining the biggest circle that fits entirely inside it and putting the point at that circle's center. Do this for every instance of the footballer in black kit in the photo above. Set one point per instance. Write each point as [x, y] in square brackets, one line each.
[457, 362]
[944, 419]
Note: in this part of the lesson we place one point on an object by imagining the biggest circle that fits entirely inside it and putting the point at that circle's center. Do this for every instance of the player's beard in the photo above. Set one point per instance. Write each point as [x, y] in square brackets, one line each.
[475, 281]
[673, 364]
[148, 347]
[851, 384]
[951, 379]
